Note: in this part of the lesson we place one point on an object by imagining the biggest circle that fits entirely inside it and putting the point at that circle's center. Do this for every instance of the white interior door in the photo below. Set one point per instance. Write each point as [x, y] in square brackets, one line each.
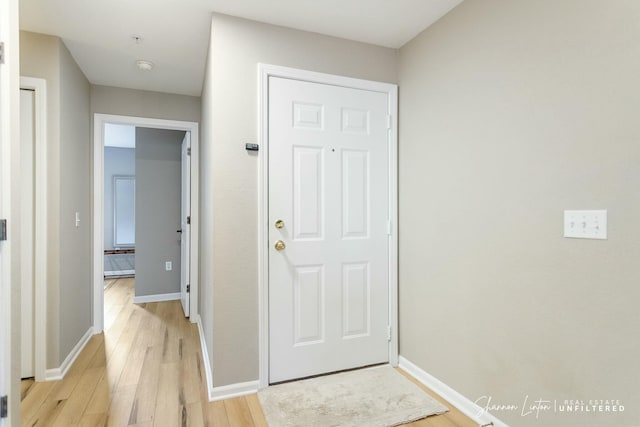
[5, 317]
[27, 207]
[9, 110]
[329, 185]
[185, 224]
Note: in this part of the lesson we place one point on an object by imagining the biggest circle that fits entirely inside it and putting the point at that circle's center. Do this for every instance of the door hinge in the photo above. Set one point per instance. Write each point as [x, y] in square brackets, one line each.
[188, 151]
[188, 288]
[189, 219]
[389, 228]
[3, 229]
[4, 407]
[1, 52]
[388, 333]
[389, 121]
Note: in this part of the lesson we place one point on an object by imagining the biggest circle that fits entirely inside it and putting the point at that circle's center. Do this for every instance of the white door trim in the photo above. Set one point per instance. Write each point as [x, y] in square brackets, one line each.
[264, 72]
[99, 121]
[185, 223]
[39, 86]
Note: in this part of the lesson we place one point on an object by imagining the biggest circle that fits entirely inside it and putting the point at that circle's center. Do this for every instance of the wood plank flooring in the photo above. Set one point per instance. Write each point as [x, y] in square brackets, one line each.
[146, 370]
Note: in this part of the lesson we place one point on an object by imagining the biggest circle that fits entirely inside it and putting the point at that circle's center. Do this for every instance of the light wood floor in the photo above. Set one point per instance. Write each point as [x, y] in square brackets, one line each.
[146, 370]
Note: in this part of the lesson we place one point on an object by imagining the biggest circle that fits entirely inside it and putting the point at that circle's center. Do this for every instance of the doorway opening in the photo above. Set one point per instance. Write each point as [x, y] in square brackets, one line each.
[119, 200]
[158, 155]
[33, 227]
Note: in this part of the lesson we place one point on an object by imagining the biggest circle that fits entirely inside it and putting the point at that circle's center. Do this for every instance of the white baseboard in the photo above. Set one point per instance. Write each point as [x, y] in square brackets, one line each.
[59, 373]
[227, 391]
[156, 298]
[205, 358]
[233, 390]
[462, 403]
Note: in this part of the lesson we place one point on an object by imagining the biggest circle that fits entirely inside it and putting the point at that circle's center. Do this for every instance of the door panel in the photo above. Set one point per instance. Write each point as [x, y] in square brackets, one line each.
[355, 194]
[308, 288]
[329, 184]
[308, 206]
[356, 300]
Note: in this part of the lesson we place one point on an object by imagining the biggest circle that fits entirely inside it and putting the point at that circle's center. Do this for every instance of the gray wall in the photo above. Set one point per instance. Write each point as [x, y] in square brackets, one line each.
[68, 180]
[511, 112]
[117, 161]
[158, 157]
[75, 181]
[229, 264]
[141, 103]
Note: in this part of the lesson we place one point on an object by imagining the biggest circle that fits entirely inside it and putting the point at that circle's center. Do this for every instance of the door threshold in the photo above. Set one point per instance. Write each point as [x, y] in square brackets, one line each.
[375, 365]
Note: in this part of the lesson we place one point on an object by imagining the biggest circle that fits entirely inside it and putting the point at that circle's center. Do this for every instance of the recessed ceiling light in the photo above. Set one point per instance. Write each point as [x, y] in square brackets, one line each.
[144, 65]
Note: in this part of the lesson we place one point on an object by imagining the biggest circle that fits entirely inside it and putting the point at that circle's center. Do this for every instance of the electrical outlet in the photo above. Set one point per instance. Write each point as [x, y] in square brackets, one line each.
[168, 266]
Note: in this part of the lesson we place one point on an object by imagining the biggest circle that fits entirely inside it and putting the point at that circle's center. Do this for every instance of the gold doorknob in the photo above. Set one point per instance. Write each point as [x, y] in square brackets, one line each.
[279, 223]
[279, 245]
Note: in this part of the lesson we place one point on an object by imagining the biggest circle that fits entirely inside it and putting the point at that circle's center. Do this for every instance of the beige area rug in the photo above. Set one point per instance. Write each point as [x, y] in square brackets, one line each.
[370, 397]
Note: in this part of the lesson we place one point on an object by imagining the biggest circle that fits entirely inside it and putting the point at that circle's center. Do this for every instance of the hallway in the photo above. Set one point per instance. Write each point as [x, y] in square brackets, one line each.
[145, 367]
[146, 370]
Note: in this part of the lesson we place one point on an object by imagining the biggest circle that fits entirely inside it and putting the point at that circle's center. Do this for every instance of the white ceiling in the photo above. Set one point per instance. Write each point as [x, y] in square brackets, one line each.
[176, 32]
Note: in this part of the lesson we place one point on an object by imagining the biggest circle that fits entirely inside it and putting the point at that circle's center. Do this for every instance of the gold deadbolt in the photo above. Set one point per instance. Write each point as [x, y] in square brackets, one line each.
[279, 224]
[279, 245]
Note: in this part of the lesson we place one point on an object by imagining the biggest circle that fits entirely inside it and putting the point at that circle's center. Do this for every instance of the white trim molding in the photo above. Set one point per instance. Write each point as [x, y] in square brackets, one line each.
[226, 391]
[56, 374]
[462, 403]
[233, 390]
[391, 90]
[205, 358]
[156, 298]
[39, 86]
[99, 120]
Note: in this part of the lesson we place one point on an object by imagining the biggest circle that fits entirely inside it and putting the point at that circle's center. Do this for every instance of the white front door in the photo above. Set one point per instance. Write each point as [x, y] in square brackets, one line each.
[185, 223]
[27, 206]
[329, 187]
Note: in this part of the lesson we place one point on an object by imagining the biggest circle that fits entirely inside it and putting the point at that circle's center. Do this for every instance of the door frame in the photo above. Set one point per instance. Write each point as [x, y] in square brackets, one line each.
[185, 226]
[391, 90]
[99, 120]
[40, 254]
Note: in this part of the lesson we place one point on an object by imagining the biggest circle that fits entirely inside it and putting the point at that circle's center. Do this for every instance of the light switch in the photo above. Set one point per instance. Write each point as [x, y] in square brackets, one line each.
[585, 224]
[168, 266]
[77, 219]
